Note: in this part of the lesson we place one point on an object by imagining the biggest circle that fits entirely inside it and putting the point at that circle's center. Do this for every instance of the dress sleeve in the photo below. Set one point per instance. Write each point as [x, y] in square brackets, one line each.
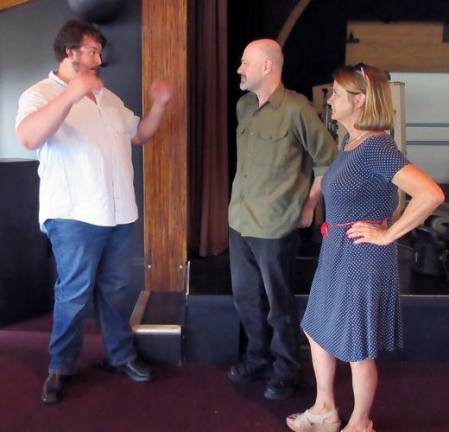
[383, 158]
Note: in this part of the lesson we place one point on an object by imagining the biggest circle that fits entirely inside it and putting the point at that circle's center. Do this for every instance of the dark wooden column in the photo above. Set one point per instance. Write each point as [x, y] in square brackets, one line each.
[164, 56]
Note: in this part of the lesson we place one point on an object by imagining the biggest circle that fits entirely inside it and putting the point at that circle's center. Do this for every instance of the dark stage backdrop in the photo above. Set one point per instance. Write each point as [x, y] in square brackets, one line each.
[208, 126]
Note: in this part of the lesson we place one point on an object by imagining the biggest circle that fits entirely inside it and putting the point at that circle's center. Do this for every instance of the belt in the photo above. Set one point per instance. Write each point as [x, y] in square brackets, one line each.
[325, 226]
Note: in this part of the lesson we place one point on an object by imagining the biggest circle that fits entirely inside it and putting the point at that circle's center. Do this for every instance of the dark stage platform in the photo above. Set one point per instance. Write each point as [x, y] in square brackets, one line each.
[210, 331]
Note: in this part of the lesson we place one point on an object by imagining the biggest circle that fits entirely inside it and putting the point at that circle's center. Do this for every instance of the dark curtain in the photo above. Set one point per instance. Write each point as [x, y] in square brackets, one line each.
[208, 128]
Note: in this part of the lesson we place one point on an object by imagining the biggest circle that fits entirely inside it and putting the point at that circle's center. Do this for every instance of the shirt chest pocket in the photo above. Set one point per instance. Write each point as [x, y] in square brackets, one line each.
[242, 142]
[115, 120]
[274, 147]
[120, 143]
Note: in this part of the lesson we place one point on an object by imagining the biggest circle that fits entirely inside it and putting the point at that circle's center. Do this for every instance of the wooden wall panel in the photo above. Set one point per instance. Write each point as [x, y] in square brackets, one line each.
[399, 46]
[5, 4]
[164, 56]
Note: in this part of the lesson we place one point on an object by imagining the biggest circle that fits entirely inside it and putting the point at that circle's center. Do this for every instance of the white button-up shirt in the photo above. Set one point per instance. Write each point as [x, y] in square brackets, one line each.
[85, 168]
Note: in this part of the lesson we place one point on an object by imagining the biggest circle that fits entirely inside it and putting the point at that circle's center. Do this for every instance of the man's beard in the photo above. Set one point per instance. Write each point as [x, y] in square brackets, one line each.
[77, 67]
[242, 84]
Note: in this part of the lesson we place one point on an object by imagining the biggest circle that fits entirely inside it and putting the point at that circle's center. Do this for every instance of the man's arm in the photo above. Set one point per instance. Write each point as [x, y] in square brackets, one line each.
[315, 138]
[309, 205]
[321, 147]
[37, 127]
[160, 94]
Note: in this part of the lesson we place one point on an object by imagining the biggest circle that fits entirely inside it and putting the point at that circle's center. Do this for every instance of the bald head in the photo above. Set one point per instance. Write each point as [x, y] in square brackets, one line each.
[270, 50]
[261, 67]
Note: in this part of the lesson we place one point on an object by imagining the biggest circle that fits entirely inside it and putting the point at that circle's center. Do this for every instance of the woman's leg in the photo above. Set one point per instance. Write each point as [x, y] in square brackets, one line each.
[364, 384]
[323, 411]
[324, 365]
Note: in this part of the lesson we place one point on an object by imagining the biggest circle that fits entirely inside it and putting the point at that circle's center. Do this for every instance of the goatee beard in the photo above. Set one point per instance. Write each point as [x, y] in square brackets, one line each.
[77, 68]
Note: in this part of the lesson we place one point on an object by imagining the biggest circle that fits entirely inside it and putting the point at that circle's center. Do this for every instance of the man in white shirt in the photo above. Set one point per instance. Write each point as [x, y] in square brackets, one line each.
[83, 133]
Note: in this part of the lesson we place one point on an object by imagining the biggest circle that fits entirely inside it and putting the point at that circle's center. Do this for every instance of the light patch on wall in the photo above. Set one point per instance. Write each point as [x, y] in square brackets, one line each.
[427, 121]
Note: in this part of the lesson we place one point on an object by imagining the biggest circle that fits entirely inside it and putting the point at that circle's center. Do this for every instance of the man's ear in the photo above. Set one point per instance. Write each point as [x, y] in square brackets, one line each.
[70, 53]
[268, 67]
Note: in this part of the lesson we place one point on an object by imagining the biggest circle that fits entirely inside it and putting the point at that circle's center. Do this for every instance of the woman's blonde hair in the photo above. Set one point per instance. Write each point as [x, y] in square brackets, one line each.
[377, 112]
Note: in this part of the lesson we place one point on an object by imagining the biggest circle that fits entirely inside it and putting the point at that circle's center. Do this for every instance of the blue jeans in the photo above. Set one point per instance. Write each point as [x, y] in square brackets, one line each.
[93, 263]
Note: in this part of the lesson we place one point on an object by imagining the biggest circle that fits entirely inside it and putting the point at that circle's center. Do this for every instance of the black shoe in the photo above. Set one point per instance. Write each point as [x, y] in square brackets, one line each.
[53, 388]
[246, 372]
[280, 388]
[137, 370]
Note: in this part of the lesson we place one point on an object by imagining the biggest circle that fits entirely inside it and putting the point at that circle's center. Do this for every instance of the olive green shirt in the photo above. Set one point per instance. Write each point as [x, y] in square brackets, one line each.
[280, 146]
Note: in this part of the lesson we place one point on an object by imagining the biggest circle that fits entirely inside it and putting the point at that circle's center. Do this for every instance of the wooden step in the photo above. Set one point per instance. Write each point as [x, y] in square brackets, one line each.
[157, 322]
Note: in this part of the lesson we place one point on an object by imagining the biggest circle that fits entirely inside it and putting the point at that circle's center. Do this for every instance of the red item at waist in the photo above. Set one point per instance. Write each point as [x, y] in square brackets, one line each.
[325, 226]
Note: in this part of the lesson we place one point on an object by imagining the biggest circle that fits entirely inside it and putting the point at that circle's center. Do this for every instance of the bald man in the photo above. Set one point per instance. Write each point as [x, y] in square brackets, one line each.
[283, 150]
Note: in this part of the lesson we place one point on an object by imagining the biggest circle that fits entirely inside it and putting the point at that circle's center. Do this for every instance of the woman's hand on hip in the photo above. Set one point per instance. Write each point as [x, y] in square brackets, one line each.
[366, 232]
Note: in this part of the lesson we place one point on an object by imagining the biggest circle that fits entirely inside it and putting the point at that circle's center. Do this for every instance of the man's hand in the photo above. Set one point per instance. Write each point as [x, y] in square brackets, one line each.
[306, 216]
[82, 85]
[160, 92]
[309, 205]
[37, 127]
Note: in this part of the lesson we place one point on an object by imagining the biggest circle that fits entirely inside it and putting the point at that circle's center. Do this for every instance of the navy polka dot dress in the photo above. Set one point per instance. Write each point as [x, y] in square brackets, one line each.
[353, 311]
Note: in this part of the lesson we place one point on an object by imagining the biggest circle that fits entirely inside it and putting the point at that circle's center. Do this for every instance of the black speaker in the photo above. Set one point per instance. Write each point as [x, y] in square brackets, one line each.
[97, 11]
[428, 252]
[26, 272]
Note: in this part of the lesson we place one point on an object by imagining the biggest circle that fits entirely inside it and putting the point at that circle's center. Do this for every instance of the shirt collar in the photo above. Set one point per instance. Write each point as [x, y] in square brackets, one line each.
[275, 99]
[277, 96]
[55, 78]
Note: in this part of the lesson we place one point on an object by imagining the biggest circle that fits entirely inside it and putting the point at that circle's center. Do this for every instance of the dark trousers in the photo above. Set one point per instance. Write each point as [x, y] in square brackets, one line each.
[261, 273]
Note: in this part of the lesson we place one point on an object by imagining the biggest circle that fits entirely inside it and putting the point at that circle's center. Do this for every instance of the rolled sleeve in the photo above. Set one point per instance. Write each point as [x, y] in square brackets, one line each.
[316, 139]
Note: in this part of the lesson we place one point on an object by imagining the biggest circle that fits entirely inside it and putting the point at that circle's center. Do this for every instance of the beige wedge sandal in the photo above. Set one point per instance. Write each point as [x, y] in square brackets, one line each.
[308, 422]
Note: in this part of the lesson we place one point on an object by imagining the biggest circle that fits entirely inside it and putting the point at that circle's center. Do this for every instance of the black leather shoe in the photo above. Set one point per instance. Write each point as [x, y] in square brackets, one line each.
[246, 372]
[137, 370]
[53, 388]
[280, 388]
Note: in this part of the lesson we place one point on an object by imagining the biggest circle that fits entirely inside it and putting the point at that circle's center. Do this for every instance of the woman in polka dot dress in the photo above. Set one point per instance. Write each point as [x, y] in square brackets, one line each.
[353, 311]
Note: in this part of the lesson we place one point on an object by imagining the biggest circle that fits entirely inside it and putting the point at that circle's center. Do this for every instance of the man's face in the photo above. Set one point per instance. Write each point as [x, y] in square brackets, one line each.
[251, 69]
[86, 58]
